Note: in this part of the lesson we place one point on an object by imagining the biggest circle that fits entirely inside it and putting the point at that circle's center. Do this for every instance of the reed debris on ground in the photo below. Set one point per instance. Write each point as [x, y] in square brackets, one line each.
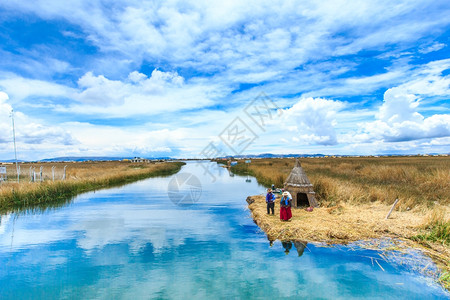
[355, 195]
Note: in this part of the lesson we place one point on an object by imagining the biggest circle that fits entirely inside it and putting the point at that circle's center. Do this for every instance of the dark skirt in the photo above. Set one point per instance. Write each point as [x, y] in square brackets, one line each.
[285, 213]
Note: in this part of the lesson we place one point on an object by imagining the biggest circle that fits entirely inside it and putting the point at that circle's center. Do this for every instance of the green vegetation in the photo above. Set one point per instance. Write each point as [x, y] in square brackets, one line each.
[440, 232]
[437, 229]
[444, 279]
[53, 194]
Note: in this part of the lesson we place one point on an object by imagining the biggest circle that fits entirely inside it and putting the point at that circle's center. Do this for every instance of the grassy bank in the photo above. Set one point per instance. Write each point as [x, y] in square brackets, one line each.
[346, 223]
[355, 195]
[421, 183]
[416, 181]
[81, 177]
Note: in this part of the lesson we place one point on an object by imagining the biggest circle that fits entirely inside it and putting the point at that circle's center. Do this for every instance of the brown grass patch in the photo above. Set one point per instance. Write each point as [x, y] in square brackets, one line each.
[80, 177]
[341, 223]
[417, 181]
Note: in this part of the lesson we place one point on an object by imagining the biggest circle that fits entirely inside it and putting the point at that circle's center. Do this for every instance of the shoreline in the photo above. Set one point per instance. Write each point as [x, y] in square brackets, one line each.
[346, 224]
[53, 194]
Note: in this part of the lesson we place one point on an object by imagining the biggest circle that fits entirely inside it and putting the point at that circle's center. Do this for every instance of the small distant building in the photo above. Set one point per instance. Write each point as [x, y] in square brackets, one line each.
[140, 160]
[300, 187]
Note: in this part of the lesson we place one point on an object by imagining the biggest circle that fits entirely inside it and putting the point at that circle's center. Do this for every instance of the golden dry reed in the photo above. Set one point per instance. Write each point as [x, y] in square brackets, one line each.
[355, 195]
[416, 181]
[80, 177]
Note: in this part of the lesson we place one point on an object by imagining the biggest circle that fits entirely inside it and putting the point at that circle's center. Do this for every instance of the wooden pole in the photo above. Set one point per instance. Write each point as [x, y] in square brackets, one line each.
[392, 208]
[15, 151]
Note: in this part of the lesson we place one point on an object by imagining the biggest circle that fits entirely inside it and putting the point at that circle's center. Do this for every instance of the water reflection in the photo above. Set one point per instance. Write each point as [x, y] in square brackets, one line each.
[132, 242]
[300, 246]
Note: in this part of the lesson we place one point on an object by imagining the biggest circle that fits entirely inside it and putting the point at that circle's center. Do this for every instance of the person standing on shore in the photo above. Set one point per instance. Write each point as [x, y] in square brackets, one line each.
[285, 207]
[270, 200]
[287, 193]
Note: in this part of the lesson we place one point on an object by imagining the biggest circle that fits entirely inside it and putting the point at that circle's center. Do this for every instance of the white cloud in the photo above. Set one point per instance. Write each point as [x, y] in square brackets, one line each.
[162, 92]
[399, 107]
[5, 123]
[20, 88]
[313, 120]
[139, 141]
[399, 117]
[431, 48]
[30, 132]
[220, 35]
[3, 96]
[286, 49]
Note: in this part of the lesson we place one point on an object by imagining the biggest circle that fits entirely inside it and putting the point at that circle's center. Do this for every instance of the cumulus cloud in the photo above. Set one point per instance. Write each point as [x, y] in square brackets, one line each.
[3, 97]
[20, 88]
[399, 117]
[98, 90]
[35, 133]
[139, 94]
[226, 53]
[129, 141]
[5, 110]
[399, 107]
[313, 120]
[28, 130]
[212, 35]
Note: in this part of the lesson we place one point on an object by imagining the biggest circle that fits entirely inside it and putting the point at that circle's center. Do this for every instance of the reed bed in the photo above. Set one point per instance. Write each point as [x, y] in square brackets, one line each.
[417, 181]
[355, 195]
[363, 224]
[421, 183]
[80, 177]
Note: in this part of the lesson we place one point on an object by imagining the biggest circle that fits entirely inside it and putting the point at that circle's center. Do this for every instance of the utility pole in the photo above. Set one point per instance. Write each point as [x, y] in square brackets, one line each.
[15, 151]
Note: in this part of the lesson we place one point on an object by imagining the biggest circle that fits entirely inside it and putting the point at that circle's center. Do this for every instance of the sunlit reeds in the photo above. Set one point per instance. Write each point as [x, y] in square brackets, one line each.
[355, 195]
[81, 177]
[416, 181]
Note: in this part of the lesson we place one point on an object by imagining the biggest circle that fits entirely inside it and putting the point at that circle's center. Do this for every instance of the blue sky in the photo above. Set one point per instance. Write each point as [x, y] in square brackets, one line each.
[143, 78]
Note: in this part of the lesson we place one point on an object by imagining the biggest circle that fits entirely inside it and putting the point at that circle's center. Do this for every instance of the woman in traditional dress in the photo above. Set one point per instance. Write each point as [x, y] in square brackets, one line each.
[285, 207]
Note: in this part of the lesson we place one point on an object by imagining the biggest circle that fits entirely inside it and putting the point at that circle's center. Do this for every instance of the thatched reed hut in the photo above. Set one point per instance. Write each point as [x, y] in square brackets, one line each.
[300, 187]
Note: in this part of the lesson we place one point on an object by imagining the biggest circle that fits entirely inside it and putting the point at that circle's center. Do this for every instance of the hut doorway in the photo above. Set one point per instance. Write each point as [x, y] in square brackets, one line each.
[302, 200]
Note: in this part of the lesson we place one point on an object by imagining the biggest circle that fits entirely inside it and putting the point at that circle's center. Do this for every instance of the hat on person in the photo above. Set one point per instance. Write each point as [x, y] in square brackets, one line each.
[285, 194]
[269, 190]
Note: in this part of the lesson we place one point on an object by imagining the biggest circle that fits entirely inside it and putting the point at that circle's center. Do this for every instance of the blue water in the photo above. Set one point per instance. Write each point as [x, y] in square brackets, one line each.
[133, 242]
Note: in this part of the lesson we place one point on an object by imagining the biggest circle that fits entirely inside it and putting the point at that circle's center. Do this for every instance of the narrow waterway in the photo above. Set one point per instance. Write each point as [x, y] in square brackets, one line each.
[136, 242]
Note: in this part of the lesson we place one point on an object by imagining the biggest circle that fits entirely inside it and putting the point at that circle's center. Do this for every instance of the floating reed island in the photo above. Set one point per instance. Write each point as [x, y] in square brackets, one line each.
[80, 177]
[352, 198]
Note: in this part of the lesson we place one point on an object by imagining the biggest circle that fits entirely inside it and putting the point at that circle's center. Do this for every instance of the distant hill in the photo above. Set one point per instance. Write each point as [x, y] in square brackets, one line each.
[94, 158]
[263, 155]
[270, 155]
[83, 158]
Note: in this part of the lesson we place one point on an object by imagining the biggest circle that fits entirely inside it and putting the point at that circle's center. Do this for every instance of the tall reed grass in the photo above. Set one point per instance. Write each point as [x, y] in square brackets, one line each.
[82, 177]
[416, 181]
[421, 183]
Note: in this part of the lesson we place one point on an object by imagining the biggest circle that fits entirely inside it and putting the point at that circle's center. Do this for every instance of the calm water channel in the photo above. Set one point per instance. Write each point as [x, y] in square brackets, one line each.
[133, 242]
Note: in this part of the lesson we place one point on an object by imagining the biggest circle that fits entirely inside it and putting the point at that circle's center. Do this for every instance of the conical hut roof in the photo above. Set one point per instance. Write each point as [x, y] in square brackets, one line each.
[298, 176]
